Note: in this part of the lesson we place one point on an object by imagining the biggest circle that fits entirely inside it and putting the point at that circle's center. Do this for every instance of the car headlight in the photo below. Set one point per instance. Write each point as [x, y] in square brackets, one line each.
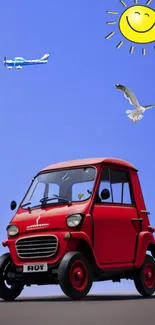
[74, 220]
[12, 230]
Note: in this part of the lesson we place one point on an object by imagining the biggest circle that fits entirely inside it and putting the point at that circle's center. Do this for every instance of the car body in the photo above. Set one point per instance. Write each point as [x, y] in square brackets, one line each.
[80, 221]
[19, 62]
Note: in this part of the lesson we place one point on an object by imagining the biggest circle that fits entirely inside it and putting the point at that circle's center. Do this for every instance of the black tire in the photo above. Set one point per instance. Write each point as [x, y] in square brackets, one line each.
[72, 287]
[144, 278]
[7, 294]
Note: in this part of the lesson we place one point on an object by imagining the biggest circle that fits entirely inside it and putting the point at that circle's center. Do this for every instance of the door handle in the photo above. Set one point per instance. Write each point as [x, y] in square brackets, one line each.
[137, 219]
[144, 211]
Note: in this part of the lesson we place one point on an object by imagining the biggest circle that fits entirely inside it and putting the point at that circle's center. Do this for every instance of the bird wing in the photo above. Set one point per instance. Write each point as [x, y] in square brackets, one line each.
[129, 95]
[148, 106]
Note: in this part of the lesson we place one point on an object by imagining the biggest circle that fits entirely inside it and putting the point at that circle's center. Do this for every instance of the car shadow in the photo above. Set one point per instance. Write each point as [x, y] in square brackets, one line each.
[126, 297]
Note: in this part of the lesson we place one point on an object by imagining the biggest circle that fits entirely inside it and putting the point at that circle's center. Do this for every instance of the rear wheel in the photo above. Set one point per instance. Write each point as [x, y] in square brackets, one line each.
[7, 292]
[144, 278]
[75, 275]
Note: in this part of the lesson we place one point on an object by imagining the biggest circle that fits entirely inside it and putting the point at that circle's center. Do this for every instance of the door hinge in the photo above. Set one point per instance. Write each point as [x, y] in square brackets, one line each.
[137, 219]
[144, 211]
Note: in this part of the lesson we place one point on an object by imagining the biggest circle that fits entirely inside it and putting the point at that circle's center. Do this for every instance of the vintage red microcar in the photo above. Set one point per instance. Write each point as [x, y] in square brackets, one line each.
[80, 221]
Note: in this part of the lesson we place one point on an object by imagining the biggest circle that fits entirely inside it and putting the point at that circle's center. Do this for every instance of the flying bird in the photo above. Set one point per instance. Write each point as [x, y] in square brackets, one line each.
[135, 114]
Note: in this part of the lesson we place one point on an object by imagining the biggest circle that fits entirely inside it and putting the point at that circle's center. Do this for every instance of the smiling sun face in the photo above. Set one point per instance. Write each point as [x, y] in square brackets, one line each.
[136, 24]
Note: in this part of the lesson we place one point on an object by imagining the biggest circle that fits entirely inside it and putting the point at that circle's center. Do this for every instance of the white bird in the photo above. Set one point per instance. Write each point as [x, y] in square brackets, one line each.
[135, 114]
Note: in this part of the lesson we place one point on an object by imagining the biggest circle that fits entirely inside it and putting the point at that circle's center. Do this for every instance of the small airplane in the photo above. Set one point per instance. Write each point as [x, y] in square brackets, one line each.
[19, 62]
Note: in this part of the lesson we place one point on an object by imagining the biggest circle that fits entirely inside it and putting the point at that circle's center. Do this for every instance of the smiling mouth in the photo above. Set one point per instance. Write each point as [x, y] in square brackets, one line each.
[138, 31]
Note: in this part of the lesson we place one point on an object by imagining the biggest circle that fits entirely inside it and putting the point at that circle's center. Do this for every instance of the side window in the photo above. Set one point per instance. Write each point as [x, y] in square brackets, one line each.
[105, 184]
[120, 186]
[117, 183]
[127, 195]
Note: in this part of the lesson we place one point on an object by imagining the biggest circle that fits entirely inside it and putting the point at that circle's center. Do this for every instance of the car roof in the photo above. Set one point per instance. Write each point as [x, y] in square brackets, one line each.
[88, 161]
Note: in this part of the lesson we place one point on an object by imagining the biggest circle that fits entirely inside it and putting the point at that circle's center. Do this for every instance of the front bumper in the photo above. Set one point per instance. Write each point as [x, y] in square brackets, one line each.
[17, 276]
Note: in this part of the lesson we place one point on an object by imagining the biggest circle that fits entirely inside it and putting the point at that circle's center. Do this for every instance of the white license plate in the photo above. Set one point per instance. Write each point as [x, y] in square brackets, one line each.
[34, 268]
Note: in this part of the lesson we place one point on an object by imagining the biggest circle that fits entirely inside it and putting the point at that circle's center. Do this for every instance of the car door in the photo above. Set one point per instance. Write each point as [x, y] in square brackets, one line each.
[115, 233]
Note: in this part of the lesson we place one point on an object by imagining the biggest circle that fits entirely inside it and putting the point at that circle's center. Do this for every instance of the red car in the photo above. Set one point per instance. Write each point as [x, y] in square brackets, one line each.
[79, 222]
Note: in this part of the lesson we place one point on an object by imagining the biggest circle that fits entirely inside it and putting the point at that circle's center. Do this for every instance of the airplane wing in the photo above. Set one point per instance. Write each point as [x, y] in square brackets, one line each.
[18, 58]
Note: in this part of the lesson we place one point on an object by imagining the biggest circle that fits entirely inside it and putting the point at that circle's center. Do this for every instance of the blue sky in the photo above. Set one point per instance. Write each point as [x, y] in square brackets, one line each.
[69, 108]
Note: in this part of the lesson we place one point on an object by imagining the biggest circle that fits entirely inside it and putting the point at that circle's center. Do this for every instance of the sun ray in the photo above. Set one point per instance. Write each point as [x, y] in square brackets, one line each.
[143, 51]
[111, 22]
[119, 44]
[148, 2]
[109, 35]
[112, 12]
[123, 3]
[131, 49]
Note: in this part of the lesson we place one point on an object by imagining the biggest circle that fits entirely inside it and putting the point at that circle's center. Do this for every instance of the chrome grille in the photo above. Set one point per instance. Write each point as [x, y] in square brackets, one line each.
[37, 246]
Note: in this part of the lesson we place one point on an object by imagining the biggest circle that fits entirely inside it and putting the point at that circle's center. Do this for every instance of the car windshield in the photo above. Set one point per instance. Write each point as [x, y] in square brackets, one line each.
[57, 187]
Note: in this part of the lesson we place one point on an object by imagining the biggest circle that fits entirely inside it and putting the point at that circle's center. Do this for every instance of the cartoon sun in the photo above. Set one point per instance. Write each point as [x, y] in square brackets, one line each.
[136, 24]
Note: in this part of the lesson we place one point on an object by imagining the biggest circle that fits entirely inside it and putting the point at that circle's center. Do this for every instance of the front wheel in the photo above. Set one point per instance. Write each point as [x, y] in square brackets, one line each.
[75, 275]
[144, 278]
[7, 292]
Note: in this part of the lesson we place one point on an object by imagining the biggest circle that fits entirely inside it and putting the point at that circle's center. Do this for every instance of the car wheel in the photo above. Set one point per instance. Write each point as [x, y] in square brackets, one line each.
[7, 292]
[144, 278]
[75, 275]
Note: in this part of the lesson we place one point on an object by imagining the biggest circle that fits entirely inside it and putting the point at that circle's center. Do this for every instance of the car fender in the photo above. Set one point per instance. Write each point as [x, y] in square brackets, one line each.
[77, 236]
[144, 240]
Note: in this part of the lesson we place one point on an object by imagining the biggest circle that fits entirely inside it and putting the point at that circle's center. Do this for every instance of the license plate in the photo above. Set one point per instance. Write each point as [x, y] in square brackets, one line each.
[34, 268]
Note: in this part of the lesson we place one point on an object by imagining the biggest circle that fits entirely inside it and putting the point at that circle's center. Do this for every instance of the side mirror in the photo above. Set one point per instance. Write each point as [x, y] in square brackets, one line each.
[13, 205]
[105, 194]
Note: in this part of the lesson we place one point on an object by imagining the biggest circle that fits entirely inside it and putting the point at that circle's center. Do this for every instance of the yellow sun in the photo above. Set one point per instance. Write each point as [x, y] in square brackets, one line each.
[136, 24]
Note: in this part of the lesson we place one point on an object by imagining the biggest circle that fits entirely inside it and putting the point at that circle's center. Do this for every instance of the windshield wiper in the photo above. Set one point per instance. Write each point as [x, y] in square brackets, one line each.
[46, 199]
[26, 204]
[62, 198]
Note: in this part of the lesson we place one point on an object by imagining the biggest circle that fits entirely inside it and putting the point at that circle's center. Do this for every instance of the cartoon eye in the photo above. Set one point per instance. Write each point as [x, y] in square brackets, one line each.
[147, 15]
[136, 12]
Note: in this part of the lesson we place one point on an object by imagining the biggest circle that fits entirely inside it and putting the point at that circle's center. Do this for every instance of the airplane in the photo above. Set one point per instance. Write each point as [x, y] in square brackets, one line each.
[19, 62]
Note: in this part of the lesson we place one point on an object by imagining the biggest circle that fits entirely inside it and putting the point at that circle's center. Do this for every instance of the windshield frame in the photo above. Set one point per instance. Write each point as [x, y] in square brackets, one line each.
[50, 203]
